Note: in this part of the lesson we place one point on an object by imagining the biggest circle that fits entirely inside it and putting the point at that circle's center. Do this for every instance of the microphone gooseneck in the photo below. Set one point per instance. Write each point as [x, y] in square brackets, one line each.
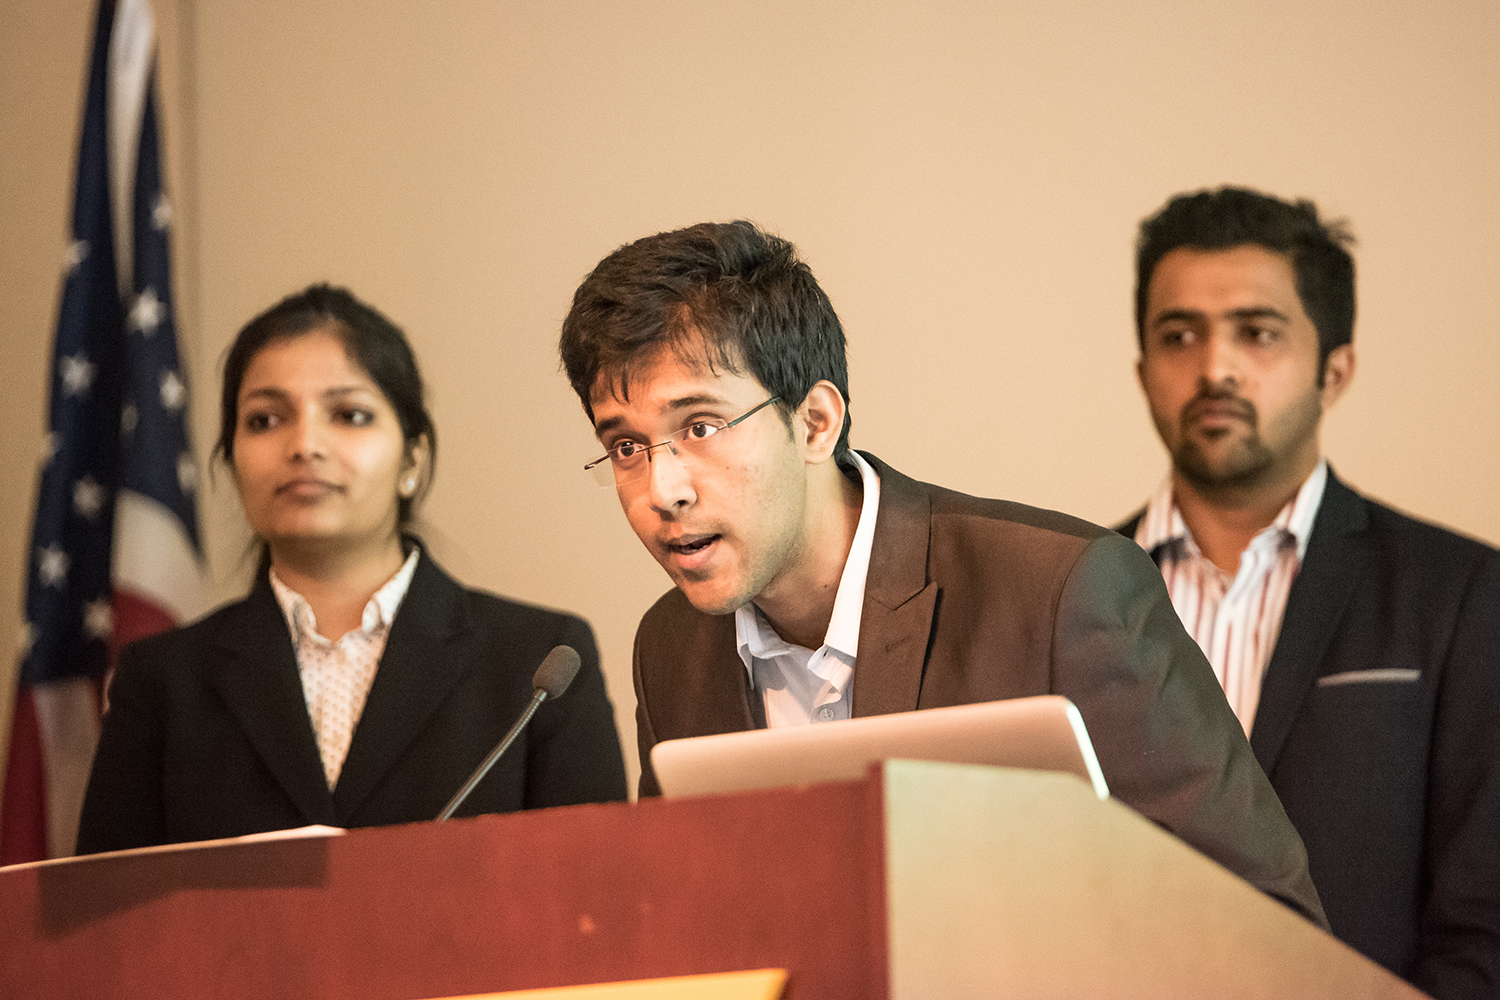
[551, 679]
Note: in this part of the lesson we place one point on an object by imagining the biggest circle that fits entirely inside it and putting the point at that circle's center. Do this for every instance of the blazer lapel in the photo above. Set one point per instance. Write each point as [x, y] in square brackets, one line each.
[259, 682]
[1336, 560]
[896, 620]
[419, 669]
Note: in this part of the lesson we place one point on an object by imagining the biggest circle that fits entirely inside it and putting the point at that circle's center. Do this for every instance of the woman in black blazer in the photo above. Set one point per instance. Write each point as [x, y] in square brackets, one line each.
[263, 715]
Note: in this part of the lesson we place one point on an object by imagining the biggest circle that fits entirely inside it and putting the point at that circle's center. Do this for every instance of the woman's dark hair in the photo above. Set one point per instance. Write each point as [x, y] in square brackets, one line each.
[373, 342]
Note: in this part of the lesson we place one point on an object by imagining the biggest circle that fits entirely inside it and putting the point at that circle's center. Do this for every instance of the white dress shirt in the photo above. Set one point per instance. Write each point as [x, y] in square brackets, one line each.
[1235, 619]
[337, 676]
[800, 685]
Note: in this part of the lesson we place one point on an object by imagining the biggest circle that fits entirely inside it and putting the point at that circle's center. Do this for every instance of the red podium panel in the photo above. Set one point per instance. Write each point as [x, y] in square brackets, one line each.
[787, 879]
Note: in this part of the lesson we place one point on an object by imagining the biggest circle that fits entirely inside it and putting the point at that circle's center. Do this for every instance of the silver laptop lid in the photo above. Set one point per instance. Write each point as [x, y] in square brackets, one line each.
[1044, 733]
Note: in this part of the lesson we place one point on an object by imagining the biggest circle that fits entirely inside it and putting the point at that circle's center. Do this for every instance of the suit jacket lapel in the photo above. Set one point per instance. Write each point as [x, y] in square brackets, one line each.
[896, 620]
[258, 679]
[1335, 562]
[419, 669]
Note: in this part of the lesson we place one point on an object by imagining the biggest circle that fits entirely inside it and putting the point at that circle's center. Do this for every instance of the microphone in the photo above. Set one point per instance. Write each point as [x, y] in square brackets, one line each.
[550, 681]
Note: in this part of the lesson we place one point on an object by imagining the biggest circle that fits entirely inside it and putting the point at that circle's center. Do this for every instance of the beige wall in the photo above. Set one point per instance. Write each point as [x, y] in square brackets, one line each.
[965, 179]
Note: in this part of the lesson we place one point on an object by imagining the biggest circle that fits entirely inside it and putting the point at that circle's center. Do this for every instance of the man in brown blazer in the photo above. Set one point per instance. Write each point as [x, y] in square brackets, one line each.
[816, 583]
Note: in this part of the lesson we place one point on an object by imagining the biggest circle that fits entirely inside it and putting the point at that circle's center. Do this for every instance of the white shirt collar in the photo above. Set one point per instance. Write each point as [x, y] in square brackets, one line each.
[380, 611]
[1162, 522]
[754, 634]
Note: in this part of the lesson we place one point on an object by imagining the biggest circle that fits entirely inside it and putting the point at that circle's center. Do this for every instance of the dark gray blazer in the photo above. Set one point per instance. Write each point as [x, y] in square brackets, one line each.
[207, 733]
[971, 600]
[1379, 726]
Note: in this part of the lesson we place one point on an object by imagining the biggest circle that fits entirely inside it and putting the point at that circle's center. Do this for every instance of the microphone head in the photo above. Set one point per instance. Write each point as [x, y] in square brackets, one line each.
[557, 671]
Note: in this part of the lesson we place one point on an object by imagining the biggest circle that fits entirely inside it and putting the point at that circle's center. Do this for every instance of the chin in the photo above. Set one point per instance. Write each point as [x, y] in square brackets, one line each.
[710, 600]
[1240, 465]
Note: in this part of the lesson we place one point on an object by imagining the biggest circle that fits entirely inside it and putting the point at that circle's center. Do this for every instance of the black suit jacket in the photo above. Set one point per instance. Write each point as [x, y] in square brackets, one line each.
[207, 733]
[1379, 726]
[971, 600]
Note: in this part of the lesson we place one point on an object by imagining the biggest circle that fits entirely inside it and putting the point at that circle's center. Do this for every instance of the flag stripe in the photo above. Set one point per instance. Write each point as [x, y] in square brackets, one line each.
[115, 545]
[23, 817]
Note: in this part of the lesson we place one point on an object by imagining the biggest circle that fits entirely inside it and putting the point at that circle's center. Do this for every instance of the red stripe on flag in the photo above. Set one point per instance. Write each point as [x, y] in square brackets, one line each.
[23, 817]
[135, 617]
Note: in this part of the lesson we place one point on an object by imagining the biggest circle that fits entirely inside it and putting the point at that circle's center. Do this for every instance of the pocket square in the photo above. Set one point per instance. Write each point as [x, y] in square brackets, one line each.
[1385, 675]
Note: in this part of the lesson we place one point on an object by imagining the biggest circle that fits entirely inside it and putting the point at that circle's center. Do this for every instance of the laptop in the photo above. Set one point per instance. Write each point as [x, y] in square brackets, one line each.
[1043, 733]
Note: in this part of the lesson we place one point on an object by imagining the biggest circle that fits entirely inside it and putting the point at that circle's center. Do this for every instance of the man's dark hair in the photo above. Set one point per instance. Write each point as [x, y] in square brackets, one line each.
[755, 304]
[373, 342]
[1231, 217]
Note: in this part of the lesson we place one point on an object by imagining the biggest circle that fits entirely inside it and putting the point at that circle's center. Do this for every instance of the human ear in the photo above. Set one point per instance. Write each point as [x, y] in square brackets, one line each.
[413, 466]
[1338, 372]
[822, 418]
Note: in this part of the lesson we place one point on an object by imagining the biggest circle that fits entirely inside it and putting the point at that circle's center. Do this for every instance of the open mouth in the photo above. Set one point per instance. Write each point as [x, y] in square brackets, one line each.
[692, 544]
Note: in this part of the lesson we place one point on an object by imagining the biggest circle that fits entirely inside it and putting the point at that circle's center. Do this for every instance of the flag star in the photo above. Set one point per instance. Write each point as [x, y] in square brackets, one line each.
[187, 473]
[52, 566]
[77, 373]
[161, 213]
[76, 253]
[99, 619]
[147, 313]
[129, 417]
[88, 497]
[173, 392]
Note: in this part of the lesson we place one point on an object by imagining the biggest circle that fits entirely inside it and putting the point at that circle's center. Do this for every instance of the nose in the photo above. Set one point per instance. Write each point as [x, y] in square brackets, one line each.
[1221, 362]
[669, 484]
[307, 439]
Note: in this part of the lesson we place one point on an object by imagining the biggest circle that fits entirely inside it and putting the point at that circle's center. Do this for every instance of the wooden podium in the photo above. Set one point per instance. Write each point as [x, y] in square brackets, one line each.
[922, 881]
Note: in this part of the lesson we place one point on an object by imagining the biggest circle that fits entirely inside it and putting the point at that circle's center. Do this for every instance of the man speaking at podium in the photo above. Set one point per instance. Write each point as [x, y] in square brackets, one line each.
[816, 583]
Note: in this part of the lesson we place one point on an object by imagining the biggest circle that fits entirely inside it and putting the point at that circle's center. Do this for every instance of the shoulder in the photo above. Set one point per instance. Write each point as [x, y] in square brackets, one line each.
[204, 631]
[1003, 550]
[488, 608]
[952, 512]
[433, 587]
[961, 512]
[1002, 533]
[1401, 543]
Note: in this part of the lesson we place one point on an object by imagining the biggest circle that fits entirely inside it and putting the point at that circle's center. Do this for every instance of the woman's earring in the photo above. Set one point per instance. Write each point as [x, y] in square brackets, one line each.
[409, 487]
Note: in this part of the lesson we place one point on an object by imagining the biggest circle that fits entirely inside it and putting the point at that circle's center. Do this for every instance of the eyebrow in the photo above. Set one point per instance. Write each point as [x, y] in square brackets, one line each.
[1248, 312]
[680, 403]
[278, 393]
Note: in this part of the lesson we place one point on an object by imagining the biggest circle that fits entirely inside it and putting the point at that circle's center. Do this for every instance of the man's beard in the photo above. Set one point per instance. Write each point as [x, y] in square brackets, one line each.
[1244, 463]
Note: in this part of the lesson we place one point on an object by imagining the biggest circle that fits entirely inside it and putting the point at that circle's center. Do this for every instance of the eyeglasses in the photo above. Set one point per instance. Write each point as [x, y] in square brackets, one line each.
[628, 460]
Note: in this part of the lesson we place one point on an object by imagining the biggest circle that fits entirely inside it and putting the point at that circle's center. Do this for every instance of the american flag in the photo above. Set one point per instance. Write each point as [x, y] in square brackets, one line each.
[115, 550]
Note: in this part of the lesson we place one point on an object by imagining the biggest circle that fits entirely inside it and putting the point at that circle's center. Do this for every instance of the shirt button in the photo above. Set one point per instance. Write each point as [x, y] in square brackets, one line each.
[825, 714]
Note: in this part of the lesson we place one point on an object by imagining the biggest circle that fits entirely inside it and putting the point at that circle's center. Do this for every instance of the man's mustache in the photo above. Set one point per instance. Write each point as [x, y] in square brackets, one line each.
[1220, 400]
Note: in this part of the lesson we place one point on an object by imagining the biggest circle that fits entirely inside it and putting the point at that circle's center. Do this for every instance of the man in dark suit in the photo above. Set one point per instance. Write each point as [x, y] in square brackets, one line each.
[1360, 648]
[814, 582]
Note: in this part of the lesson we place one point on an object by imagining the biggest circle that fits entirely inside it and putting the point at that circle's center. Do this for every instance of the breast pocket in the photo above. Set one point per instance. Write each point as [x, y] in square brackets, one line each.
[1381, 675]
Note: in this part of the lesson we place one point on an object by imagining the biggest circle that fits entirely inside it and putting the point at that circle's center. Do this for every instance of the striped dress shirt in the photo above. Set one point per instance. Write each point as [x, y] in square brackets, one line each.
[1236, 618]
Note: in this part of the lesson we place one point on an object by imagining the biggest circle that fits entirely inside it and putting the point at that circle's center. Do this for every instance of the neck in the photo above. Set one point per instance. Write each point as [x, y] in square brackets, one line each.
[337, 584]
[1224, 519]
[799, 606]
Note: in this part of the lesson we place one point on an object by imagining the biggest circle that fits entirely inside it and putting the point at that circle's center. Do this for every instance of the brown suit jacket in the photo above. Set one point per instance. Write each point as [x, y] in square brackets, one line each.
[972, 600]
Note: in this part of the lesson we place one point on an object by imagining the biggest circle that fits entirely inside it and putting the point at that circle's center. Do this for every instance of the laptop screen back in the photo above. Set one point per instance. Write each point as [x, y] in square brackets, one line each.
[1043, 733]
